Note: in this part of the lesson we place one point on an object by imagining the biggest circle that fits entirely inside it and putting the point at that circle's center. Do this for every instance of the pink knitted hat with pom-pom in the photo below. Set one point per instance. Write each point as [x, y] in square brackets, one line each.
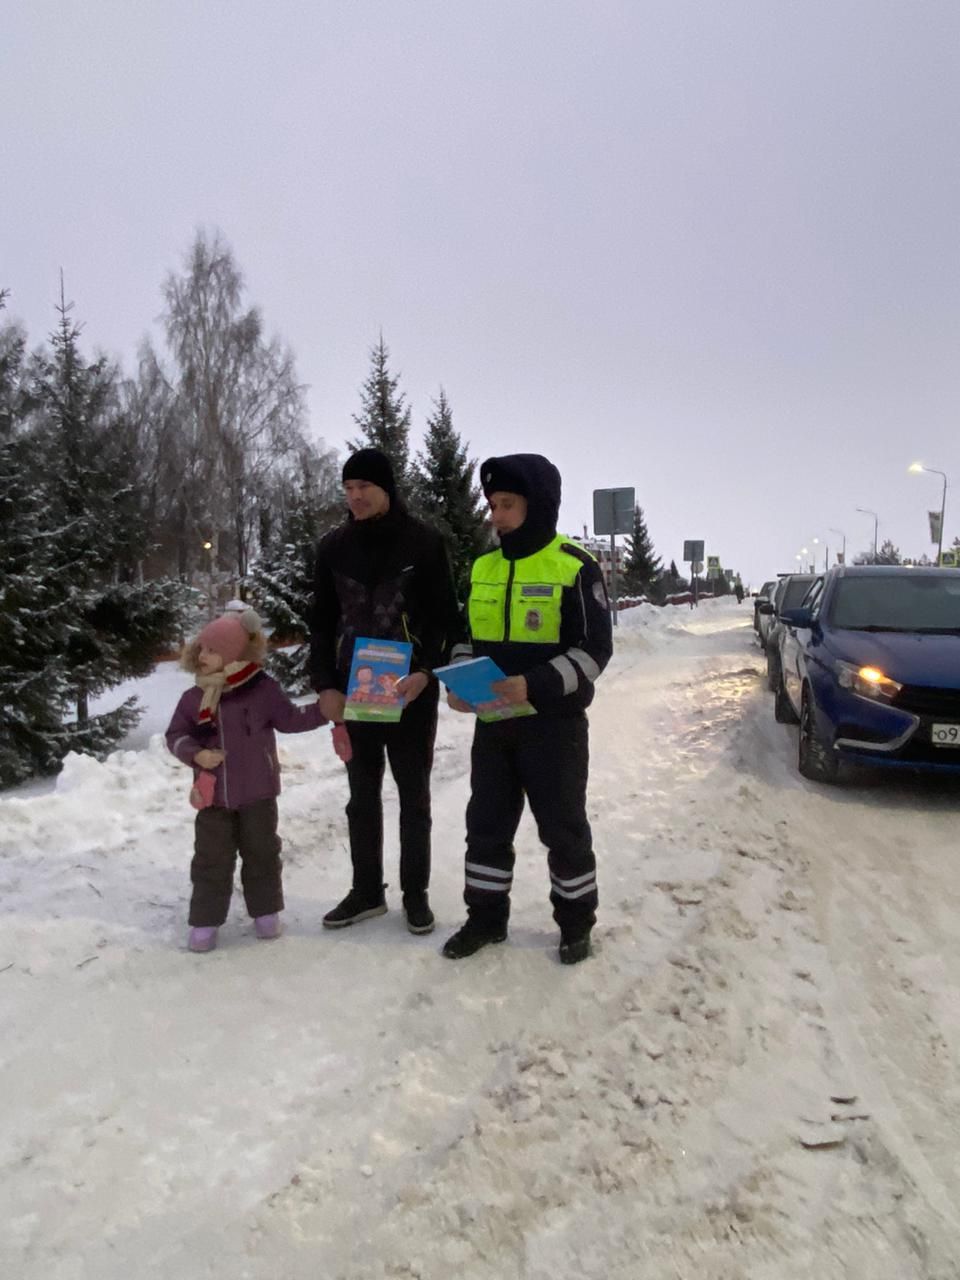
[226, 636]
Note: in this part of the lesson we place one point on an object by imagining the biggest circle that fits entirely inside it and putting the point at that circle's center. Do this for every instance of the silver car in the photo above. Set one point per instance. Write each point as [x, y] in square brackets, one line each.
[762, 596]
[789, 594]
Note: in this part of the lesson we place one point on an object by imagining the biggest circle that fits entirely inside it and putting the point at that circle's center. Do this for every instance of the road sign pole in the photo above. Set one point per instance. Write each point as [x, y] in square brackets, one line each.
[693, 555]
[613, 513]
[613, 578]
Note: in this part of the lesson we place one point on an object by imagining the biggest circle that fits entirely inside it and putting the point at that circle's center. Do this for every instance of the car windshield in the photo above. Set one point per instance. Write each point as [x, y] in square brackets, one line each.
[922, 601]
[794, 592]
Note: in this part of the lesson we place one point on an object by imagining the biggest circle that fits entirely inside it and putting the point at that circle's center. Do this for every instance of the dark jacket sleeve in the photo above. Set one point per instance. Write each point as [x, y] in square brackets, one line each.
[287, 717]
[184, 738]
[587, 634]
[444, 625]
[325, 616]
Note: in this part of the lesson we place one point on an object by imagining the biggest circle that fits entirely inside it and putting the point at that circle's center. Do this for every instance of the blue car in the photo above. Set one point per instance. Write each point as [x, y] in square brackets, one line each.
[870, 669]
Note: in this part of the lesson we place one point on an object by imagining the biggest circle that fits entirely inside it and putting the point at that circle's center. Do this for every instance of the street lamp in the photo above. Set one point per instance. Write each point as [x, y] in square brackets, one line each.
[211, 606]
[843, 553]
[917, 467]
[876, 521]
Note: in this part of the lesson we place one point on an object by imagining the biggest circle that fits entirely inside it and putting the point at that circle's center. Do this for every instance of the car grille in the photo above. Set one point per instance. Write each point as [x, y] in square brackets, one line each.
[922, 701]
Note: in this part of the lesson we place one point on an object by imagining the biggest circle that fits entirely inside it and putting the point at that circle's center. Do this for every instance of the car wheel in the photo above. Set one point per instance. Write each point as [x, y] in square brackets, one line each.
[816, 759]
[783, 711]
[773, 671]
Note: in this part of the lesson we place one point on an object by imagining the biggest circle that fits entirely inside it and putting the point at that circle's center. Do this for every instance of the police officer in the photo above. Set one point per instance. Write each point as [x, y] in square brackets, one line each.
[386, 575]
[538, 607]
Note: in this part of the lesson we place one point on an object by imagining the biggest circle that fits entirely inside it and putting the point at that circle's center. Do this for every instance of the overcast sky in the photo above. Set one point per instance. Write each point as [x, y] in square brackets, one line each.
[710, 250]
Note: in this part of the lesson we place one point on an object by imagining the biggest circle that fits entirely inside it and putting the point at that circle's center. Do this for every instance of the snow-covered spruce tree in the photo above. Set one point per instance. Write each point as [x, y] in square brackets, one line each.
[886, 554]
[446, 496]
[33, 690]
[384, 417]
[281, 581]
[113, 626]
[643, 567]
[672, 580]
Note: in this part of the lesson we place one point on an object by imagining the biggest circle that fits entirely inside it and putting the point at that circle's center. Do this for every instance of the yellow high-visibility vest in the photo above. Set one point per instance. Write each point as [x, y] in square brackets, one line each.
[520, 600]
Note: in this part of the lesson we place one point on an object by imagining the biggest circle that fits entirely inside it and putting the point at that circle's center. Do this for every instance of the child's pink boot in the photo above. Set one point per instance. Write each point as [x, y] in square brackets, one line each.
[267, 927]
[202, 938]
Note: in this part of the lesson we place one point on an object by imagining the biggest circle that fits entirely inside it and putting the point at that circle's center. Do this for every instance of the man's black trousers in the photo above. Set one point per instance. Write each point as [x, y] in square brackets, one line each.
[408, 746]
[546, 759]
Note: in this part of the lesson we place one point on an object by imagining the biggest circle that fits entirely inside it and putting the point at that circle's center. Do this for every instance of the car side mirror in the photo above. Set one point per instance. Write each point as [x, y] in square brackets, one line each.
[765, 607]
[797, 617]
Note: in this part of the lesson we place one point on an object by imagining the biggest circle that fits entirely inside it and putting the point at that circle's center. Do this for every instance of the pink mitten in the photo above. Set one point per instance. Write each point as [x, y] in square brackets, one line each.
[341, 742]
[201, 793]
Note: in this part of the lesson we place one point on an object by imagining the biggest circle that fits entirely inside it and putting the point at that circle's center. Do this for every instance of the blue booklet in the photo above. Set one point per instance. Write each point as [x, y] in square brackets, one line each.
[377, 668]
[473, 680]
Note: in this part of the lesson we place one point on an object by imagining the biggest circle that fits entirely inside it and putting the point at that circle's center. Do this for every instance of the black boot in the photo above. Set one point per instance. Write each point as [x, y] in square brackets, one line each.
[416, 907]
[471, 936]
[574, 947]
[356, 906]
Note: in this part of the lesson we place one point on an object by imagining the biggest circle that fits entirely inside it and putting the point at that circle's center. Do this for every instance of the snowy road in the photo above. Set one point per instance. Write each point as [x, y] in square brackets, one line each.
[352, 1106]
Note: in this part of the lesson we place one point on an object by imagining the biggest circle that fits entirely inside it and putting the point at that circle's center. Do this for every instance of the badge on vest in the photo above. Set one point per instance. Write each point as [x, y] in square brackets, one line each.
[535, 589]
[533, 620]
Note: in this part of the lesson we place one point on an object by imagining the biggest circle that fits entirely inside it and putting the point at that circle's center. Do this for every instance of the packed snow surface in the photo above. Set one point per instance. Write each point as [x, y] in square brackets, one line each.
[755, 1077]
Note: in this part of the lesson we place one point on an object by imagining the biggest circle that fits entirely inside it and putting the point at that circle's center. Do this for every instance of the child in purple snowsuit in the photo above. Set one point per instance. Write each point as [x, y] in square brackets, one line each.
[224, 727]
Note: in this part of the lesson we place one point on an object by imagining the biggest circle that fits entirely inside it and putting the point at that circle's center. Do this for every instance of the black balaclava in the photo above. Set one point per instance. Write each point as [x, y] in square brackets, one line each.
[535, 478]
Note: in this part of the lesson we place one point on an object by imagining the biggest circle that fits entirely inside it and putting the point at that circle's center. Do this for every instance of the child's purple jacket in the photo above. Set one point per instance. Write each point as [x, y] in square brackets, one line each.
[244, 732]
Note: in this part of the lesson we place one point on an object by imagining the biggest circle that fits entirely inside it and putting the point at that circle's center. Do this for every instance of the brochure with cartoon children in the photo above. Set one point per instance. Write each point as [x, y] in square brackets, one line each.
[473, 681]
[377, 667]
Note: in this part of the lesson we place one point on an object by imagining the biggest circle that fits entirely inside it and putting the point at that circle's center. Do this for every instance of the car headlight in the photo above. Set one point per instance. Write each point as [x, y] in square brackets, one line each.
[869, 682]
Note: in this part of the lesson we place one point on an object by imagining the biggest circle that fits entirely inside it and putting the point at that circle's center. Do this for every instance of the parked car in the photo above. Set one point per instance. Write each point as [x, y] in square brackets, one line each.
[870, 668]
[764, 594]
[790, 592]
[767, 609]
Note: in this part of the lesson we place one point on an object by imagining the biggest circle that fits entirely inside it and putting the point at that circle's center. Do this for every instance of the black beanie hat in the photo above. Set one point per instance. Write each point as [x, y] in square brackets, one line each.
[371, 465]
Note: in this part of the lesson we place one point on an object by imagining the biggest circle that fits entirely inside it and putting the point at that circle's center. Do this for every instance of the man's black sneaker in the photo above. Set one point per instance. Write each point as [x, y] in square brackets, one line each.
[353, 908]
[419, 916]
[575, 948]
[471, 937]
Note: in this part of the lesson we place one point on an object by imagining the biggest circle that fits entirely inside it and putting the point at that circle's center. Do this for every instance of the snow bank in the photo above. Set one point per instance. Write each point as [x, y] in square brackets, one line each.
[352, 1106]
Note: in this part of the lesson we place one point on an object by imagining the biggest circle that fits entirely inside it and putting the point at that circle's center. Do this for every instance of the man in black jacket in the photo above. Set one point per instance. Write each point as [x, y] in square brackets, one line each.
[538, 607]
[385, 575]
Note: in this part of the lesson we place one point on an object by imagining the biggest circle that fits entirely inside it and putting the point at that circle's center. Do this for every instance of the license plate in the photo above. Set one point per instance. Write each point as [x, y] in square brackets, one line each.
[945, 735]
